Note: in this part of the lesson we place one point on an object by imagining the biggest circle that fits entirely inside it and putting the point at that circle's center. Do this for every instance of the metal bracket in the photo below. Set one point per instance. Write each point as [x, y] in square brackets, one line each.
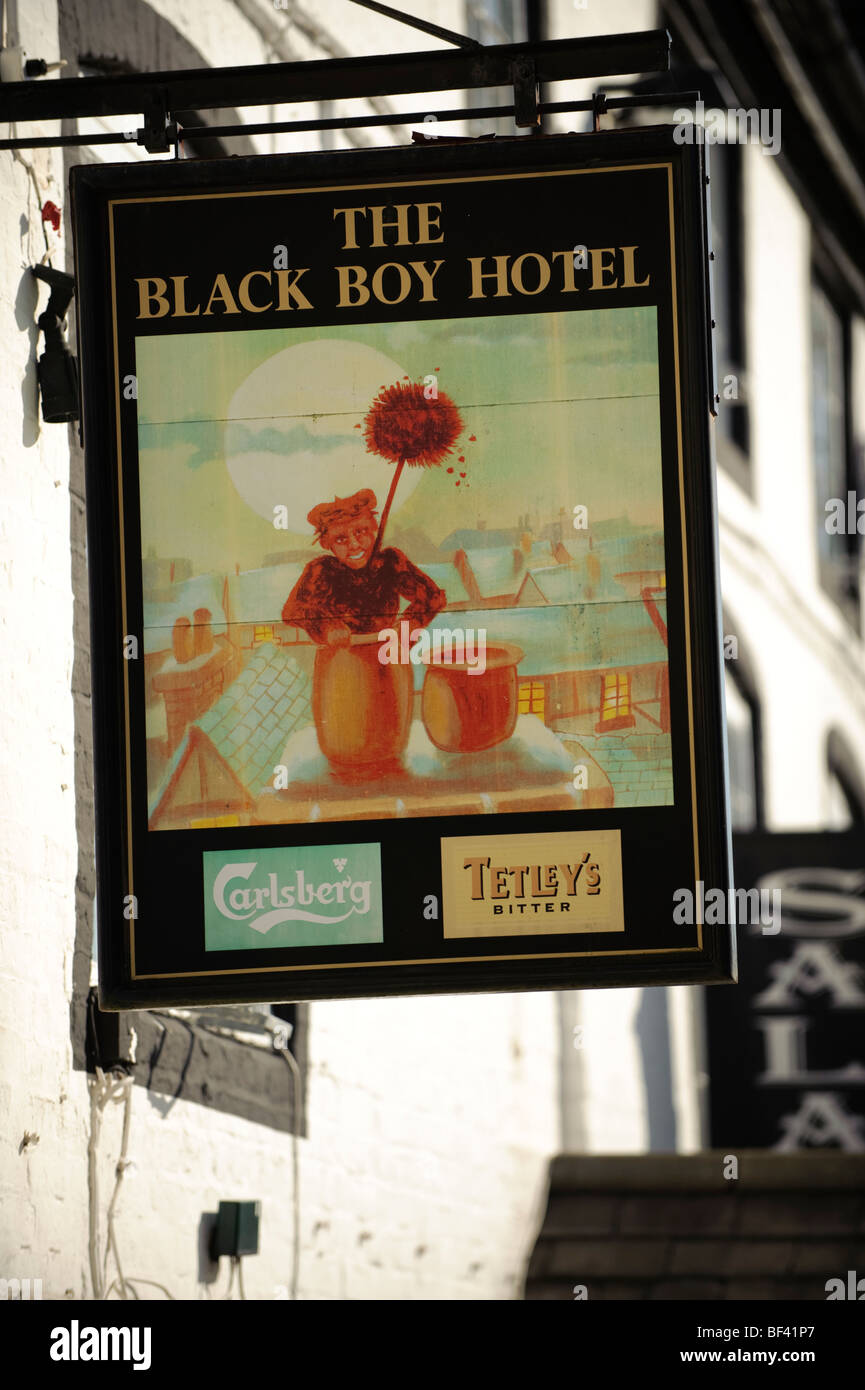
[527, 109]
[157, 94]
[599, 108]
[159, 134]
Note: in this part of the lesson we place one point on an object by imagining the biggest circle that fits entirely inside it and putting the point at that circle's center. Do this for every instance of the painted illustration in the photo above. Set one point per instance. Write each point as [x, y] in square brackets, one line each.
[404, 569]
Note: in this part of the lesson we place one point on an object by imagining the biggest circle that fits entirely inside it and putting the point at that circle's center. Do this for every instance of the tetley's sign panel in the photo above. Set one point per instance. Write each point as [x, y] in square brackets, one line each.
[406, 670]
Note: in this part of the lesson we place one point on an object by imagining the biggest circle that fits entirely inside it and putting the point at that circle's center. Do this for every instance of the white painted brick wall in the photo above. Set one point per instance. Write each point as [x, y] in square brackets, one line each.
[430, 1120]
[42, 1185]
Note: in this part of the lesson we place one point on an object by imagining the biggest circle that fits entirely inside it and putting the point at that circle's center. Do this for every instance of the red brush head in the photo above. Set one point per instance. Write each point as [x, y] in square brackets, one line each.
[403, 425]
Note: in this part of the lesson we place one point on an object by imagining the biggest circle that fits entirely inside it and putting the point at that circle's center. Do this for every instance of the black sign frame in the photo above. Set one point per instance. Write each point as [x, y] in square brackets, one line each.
[155, 895]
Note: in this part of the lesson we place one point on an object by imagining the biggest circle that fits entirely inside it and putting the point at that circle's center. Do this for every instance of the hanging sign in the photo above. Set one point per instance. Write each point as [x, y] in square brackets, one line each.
[404, 597]
[795, 1078]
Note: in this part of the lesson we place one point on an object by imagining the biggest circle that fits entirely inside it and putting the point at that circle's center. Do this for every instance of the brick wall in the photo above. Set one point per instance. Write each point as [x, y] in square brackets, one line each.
[675, 1227]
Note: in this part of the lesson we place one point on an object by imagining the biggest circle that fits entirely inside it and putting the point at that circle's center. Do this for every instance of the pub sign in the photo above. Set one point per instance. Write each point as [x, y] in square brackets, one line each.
[403, 560]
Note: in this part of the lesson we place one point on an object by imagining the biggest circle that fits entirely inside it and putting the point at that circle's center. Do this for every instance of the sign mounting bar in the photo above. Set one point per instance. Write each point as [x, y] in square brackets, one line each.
[274, 84]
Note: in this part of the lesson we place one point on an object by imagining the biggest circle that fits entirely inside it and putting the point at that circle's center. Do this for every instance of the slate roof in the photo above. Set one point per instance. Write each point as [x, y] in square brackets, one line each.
[249, 724]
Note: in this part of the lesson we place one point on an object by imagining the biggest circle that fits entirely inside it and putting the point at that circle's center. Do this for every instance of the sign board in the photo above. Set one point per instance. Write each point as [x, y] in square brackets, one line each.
[787, 1048]
[402, 536]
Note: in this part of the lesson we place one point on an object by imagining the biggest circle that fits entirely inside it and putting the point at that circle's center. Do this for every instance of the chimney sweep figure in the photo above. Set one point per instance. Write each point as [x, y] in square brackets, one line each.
[363, 708]
[357, 587]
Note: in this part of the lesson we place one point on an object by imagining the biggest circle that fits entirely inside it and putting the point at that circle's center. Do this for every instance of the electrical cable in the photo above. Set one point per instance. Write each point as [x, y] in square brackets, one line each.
[118, 1090]
[153, 1283]
[294, 1072]
[121, 1092]
[96, 1087]
[104, 1090]
[40, 197]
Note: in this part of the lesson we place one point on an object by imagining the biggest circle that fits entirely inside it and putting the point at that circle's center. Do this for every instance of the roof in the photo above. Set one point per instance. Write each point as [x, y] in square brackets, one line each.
[252, 719]
[496, 570]
[632, 552]
[576, 545]
[566, 636]
[476, 540]
[541, 552]
[560, 583]
[248, 726]
[447, 577]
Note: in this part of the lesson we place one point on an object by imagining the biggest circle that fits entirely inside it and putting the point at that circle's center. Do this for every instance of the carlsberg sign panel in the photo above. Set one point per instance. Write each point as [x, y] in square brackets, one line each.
[313, 895]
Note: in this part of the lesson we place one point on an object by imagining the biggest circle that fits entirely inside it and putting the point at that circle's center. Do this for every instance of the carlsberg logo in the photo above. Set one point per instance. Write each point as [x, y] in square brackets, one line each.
[289, 902]
[312, 895]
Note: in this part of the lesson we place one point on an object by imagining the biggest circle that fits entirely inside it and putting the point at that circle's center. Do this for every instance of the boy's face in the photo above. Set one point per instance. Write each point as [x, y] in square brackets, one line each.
[352, 541]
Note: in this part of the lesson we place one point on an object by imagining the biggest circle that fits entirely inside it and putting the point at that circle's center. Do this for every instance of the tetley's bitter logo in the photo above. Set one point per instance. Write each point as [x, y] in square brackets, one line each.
[315, 895]
[532, 885]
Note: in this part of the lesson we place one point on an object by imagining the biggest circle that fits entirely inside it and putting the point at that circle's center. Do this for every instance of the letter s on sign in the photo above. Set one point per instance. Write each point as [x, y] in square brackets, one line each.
[828, 901]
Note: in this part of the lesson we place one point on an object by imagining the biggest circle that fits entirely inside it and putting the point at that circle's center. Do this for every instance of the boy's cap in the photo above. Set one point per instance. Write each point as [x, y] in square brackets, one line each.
[340, 510]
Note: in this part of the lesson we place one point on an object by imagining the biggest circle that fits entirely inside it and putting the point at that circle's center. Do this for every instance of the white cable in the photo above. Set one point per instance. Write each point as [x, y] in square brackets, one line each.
[103, 1090]
[130, 1284]
[119, 1090]
[122, 1093]
[96, 1087]
[295, 1163]
[40, 197]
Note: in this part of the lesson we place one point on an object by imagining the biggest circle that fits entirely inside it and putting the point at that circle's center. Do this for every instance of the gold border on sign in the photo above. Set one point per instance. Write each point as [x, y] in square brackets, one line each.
[409, 183]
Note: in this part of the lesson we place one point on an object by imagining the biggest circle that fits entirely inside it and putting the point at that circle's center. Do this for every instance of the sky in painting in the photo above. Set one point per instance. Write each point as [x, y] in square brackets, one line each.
[563, 408]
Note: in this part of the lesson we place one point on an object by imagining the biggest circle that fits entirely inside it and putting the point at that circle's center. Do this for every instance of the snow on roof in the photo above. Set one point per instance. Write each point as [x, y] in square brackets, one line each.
[497, 570]
[447, 577]
[566, 636]
[561, 583]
